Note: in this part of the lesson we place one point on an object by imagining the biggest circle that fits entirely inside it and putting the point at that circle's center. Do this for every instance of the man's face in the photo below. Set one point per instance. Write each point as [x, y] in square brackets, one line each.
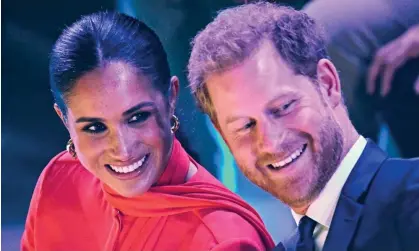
[279, 126]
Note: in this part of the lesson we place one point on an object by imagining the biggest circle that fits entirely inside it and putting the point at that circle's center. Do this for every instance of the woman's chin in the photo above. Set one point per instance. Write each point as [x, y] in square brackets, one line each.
[132, 192]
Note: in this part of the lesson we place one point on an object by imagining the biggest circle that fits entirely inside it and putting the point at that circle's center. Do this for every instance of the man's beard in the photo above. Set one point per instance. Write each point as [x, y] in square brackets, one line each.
[325, 162]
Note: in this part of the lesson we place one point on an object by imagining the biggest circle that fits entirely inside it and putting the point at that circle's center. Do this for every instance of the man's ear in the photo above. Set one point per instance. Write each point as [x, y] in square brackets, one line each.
[329, 82]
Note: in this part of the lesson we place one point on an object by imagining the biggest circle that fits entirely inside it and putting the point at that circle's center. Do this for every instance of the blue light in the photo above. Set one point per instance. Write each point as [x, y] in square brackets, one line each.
[226, 167]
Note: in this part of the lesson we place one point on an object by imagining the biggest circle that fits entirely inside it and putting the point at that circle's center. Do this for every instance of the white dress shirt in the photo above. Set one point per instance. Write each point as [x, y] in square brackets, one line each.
[323, 208]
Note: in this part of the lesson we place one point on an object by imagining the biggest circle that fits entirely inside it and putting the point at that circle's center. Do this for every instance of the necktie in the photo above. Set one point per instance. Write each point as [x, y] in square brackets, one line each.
[305, 232]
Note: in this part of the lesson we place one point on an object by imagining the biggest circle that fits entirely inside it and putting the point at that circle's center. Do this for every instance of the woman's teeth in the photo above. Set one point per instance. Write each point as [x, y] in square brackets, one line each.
[293, 156]
[130, 168]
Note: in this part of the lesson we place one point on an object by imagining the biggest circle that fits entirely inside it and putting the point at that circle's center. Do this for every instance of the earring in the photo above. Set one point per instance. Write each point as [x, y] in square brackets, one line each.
[176, 124]
[71, 148]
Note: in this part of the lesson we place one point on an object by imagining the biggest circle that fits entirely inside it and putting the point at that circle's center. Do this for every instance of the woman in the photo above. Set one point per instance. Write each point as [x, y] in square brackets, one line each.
[125, 182]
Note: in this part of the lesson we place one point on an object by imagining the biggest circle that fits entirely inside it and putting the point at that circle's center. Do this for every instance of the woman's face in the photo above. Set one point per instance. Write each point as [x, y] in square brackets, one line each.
[120, 126]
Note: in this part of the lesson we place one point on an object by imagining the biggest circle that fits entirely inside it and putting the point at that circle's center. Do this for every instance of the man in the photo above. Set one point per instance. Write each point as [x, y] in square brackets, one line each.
[375, 46]
[262, 74]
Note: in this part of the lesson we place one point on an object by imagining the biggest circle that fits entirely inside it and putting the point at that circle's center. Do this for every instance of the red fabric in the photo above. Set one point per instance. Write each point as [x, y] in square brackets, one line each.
[72, 210]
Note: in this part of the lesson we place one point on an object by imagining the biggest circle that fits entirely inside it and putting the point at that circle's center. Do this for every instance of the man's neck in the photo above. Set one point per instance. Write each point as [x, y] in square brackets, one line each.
[302, 210]
[349, 133]
[350, 138]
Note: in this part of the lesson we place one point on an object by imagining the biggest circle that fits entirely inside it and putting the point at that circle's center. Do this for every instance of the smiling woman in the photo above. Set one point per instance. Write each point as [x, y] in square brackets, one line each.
[125, 182]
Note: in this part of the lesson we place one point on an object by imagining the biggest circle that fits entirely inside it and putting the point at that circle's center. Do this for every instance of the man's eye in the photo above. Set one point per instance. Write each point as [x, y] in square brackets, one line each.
[283, 109]
[247, 126]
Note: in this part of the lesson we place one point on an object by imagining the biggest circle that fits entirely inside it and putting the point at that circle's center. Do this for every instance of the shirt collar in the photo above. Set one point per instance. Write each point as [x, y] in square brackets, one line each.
[323, 208]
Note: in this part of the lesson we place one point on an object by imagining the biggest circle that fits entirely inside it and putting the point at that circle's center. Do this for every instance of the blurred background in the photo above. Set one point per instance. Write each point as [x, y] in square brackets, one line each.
[32, 133]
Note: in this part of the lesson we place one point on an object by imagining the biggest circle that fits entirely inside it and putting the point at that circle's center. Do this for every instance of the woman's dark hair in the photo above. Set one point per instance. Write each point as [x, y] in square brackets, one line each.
[100, 38]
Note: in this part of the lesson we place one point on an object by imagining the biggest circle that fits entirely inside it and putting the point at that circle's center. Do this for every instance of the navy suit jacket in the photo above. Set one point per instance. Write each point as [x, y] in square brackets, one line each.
[378, 209]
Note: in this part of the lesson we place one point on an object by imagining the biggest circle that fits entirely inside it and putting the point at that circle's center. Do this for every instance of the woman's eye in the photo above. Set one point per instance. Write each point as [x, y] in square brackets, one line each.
[139, 117]
[95, 128]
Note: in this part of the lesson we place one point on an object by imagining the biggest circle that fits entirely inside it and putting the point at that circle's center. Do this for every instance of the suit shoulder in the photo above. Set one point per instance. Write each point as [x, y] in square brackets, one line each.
[403, 169]
[393, 175]
[410, 167]
[405, 163]
[397, 176]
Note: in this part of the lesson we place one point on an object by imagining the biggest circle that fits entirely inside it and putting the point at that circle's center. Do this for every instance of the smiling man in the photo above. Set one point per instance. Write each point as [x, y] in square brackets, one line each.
[262, 74]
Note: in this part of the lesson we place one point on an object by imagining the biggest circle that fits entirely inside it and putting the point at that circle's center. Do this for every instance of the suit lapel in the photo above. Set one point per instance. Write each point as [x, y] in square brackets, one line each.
[350, 204]
[343, 225]
[290, 243]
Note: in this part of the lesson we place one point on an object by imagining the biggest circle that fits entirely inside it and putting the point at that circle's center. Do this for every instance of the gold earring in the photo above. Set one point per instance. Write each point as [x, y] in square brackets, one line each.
[71, 148]
[176, 124]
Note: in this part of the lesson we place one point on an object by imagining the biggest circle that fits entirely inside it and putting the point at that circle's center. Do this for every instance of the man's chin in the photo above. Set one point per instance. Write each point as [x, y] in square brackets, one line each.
[295, 199]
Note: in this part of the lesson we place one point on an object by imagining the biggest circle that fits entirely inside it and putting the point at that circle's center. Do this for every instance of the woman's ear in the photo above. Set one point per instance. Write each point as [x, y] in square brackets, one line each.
[174, 92]
[61, 115]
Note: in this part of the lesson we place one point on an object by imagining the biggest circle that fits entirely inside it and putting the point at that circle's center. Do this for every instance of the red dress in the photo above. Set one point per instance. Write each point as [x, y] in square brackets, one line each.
[73, 210]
